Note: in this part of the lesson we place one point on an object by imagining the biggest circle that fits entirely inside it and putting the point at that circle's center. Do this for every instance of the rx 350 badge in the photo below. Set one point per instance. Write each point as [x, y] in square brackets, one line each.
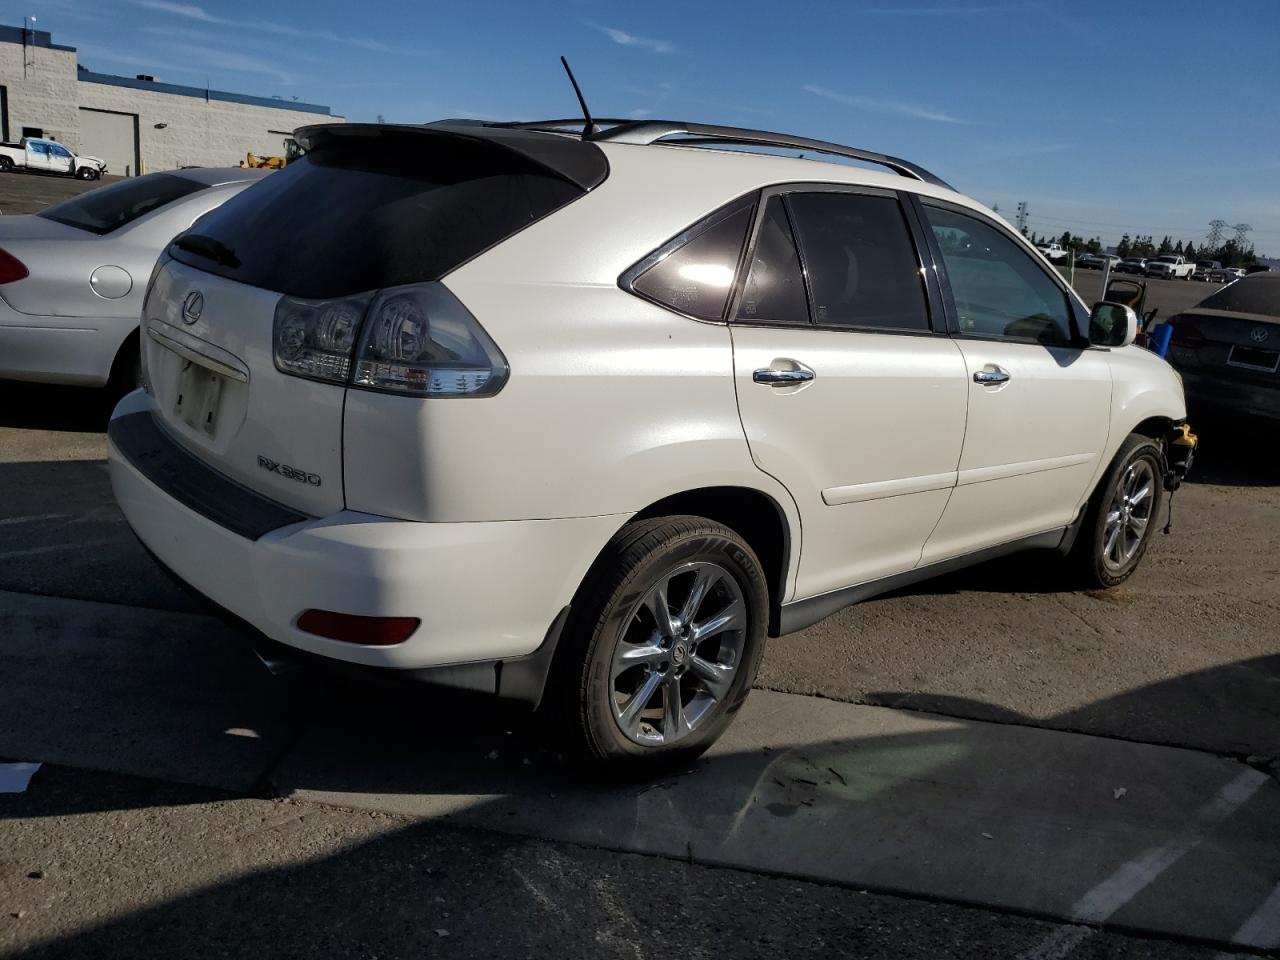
[288, 472]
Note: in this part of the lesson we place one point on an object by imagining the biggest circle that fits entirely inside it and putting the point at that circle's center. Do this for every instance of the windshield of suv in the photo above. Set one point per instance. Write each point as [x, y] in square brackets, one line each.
[351, 217]
[107, 209]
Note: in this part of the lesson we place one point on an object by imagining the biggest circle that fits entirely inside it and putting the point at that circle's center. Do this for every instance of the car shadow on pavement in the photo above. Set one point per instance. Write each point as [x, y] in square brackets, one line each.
[941, 809]
[1236, 451]
[42, 406]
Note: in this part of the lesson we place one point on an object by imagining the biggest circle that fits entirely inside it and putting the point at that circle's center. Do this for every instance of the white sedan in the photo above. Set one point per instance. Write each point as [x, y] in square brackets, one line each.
[72, 277]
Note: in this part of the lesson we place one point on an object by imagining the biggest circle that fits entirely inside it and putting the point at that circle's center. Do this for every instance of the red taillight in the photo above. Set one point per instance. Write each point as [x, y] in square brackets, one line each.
[349, 628]
[11, 268]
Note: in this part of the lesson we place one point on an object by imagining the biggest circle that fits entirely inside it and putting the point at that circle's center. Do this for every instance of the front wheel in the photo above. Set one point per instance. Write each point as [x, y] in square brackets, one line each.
[87, 173]
[1118, 524]
[661, 647]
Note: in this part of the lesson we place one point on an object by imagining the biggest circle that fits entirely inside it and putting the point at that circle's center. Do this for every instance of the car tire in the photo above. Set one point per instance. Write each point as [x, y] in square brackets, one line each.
[633, 697]
[86, 173]
[1120, 519]
[6, 165]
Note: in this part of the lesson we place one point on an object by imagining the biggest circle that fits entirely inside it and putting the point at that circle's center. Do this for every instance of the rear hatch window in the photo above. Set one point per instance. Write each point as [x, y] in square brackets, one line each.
[106, 209]
[373, 212]
[1260, 295]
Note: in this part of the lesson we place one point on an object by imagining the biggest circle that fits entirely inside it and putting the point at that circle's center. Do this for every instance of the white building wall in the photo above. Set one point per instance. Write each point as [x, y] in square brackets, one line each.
[196, 132]
[42, 92]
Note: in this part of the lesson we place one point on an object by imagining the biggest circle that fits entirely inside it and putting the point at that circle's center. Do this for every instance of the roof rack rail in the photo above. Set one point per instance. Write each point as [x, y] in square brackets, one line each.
[615, 130]
[702, 134]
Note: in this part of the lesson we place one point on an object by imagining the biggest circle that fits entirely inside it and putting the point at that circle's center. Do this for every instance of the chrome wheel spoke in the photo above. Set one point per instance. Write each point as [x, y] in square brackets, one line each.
[636, 655]
[1113, 537]
[732, 617]
[1140, 495]
[674, 724]
[629, 719]
[1138, 525]
[703, 580]
[657, 603]
[716, 678]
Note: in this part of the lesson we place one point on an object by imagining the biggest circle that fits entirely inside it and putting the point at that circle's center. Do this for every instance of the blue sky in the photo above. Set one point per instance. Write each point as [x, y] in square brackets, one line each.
[1103, 116]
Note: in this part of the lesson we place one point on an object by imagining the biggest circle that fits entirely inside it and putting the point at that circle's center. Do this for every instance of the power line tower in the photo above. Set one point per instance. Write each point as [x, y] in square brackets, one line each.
[1214, 239]
[1242, 236]
[1022, 216]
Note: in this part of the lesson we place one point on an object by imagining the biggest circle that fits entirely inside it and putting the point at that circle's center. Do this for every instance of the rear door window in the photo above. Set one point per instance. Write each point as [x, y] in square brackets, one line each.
[106, 209]
[861, 263]
[774, 291]
[373, 213]
[694, 272]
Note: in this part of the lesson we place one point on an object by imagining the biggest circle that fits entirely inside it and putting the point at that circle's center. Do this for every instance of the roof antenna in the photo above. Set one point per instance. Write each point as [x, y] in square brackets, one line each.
[589, 127]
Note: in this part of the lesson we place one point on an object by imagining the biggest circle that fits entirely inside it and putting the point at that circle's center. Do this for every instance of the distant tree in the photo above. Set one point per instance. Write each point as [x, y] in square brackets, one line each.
[1178, 248]
[1189, 251]
[1095, 245]
[1165, 247]
[1065, 239]
[1124, 246]
[1143, 247]
[381, 119]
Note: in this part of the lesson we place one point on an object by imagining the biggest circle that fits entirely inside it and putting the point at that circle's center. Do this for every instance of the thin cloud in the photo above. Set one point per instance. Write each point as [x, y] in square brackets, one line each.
[236, 62]
[878, 105]
[948, 11]
[200, 14]
[631, 39]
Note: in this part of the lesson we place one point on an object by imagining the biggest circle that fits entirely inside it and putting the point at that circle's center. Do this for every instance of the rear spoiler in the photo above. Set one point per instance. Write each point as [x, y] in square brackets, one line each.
[569, 158]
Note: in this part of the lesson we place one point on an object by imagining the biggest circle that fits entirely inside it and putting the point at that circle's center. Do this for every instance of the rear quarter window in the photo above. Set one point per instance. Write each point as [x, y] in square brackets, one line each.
[106, 209]
[352, 217]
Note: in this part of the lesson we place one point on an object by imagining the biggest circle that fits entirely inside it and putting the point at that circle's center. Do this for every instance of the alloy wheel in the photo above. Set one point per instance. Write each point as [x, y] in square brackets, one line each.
[1129, 515]
[681, 646]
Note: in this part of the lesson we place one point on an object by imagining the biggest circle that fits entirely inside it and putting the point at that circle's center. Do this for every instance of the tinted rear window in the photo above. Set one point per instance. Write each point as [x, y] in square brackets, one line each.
[1258, 294]
[374, 213]
[106, 209]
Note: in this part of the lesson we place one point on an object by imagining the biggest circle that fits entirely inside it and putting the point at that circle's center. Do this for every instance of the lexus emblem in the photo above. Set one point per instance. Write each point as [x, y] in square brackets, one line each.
[192, 307]
[1259, 334]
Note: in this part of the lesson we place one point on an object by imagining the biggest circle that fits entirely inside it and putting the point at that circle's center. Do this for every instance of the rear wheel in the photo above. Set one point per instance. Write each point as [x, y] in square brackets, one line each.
[1121, 516]
[6, 164]
[662, 646]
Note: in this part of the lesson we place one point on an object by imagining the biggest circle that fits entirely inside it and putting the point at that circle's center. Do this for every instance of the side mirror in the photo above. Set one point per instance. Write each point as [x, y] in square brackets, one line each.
[1112, 324]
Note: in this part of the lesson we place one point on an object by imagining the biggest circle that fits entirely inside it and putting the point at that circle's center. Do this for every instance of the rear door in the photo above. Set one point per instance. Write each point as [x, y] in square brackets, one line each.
[847, 394]
[1039, 402]
[37, 155]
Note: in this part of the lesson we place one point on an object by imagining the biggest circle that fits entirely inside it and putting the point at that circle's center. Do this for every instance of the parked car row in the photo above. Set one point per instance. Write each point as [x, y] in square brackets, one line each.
[1097, 261]
[344, 365]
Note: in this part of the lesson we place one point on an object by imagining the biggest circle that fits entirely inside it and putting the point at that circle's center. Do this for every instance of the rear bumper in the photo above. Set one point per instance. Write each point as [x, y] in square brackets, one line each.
[1221, 395]
[484, 592]
[70, 350]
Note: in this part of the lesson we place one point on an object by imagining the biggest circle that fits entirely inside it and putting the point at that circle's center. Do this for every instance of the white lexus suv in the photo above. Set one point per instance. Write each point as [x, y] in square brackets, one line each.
[580, 417]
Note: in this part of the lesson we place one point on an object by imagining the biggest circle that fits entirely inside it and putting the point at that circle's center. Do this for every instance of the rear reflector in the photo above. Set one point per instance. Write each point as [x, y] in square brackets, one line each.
[11, 268]
[366, 631]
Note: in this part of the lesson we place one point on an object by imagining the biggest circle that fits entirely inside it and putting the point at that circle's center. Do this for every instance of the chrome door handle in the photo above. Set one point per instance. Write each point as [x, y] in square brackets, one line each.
[989, 377]
[776, 377]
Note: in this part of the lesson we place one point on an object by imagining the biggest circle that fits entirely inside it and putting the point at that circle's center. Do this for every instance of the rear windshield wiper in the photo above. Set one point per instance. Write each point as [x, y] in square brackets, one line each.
[207, 247]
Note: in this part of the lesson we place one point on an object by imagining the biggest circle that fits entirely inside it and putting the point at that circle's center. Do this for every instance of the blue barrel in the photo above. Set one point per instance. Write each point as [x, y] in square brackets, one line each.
[1160, 338]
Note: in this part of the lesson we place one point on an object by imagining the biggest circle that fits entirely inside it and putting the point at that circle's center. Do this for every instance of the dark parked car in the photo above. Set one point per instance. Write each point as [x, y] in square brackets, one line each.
[1136, 265]
[1227, 348]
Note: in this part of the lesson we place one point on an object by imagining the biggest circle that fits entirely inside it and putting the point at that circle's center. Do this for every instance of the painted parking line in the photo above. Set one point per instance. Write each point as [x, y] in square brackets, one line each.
[1262, 929]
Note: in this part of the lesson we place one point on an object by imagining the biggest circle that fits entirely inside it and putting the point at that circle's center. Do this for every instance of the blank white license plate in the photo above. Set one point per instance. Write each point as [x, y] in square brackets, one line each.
[199, 392]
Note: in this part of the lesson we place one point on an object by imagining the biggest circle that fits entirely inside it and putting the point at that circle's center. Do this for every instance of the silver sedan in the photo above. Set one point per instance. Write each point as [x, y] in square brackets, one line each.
[72, 277]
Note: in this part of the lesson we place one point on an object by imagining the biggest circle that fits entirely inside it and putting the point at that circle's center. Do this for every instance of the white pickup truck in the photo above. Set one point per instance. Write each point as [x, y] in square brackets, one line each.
[48, 156]
[1053, 251]
[1171, 267]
